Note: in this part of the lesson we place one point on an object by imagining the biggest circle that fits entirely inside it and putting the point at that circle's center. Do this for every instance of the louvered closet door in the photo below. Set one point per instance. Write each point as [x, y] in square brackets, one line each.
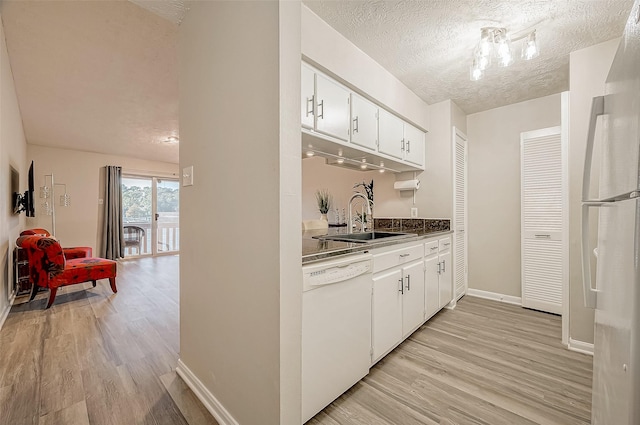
[460, 215]
[542, 215]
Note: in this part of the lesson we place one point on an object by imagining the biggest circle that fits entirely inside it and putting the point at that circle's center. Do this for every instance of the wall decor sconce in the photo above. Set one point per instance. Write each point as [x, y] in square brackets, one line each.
[47, 194]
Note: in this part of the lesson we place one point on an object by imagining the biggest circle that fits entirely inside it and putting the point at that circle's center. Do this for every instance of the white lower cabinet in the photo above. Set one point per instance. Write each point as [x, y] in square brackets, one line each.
[398, 297]
[438, 284]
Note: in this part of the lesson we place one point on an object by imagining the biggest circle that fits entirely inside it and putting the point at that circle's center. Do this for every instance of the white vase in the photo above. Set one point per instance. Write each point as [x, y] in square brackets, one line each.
[324, 217]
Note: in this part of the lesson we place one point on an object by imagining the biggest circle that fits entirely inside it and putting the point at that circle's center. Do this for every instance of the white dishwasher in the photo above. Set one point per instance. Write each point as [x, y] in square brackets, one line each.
[336, 329]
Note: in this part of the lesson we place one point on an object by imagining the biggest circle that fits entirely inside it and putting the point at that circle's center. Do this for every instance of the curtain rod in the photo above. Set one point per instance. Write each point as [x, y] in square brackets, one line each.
[148, 173]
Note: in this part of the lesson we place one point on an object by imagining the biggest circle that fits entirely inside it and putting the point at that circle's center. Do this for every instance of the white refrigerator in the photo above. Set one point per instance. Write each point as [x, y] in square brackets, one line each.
[615, 294]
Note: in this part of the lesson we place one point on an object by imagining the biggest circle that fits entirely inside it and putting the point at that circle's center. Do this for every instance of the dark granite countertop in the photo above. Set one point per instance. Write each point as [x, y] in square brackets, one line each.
[316, 249]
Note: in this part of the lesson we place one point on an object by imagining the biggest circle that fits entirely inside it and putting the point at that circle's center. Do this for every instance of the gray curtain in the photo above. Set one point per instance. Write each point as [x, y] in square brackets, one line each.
[112, 233]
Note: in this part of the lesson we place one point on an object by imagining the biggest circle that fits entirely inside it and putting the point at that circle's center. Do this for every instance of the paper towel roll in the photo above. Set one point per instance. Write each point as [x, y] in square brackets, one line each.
[407, 185]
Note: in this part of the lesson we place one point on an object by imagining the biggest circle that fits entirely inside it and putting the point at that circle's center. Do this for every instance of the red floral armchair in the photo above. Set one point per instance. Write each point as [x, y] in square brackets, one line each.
[69, 253]
[48, 267]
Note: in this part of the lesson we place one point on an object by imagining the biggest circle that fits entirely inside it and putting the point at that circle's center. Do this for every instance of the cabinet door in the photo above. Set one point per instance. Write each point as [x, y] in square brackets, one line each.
[364, 122]
[386, 326]
[390, 134]
[445, 284]
[413, 145]
[432, 289]
[413, 298]
[332, 108]
[308, 90]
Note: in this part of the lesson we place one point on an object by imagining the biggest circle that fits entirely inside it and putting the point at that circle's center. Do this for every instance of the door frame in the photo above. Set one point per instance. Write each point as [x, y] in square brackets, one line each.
[154, 177]
[455, 132]
[566, 282]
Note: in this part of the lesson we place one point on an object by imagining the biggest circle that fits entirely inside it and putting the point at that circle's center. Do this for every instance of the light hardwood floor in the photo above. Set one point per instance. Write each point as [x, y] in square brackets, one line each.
[485, 363]
[99, 358]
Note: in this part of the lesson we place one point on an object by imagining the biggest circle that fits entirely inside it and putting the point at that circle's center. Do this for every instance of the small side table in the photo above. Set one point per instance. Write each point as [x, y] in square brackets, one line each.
[21, 281]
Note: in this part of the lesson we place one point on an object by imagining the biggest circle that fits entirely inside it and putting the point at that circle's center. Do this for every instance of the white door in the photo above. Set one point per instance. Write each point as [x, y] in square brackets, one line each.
[542, 220]
[390, 135]
[332, 108]
[444, 283]
[364, 122]
[413, 145]
[413, 297]
[386, 325]
[432, 290]
[460, 213]
[307, 101]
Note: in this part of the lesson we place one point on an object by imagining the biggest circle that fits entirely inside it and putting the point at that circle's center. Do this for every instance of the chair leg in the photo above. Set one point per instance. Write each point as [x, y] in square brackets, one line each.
[52, 296]
[112, 282]
[93, 282]
[34, 292]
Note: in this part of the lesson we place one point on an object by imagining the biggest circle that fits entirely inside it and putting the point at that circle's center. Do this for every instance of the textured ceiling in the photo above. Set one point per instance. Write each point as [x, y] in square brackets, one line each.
[101, 75]
[428, 44]
[98, 76]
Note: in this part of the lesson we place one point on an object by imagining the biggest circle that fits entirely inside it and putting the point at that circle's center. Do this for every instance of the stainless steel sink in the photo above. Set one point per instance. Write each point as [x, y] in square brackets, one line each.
[365, 237]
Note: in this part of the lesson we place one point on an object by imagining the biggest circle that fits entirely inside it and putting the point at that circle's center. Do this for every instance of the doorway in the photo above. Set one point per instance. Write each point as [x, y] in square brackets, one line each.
[460, 258]
[150, 215]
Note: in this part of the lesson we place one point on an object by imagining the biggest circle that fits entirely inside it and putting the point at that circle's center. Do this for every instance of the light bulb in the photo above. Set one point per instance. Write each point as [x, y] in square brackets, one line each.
[530, 47]
[310, 153]
[340, 160]
[476, 73]
[364, 165]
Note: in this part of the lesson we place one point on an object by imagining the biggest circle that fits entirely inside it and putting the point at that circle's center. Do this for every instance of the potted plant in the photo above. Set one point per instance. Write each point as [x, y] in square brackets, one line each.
[324, 200]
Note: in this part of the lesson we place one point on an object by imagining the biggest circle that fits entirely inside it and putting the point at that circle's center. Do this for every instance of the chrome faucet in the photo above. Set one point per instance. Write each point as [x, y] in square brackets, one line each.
[364, 222]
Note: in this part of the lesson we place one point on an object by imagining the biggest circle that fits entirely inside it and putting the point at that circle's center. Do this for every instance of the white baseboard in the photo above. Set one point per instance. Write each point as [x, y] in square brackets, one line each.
[5, 312]
[204, 395]
[509, 299]
[580, 347]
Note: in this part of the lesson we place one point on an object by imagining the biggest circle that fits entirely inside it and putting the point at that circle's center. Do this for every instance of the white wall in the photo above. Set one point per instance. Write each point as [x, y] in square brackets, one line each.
[240, 303]
[80, 224]
[494, 190]
[316, 174]
[588, 70]
[13, 148]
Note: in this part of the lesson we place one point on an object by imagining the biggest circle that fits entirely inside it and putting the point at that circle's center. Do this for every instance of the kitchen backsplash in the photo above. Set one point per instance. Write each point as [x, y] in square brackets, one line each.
[411, 224]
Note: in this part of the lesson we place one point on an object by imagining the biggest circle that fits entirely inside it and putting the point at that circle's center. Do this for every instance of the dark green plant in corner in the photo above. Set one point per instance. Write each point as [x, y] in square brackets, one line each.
[324, 200]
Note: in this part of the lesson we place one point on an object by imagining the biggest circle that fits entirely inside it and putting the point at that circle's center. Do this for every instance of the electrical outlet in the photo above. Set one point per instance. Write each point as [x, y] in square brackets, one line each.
[414, 212]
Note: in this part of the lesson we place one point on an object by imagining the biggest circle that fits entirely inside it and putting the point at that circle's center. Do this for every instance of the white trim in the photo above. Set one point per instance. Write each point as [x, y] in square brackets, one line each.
[509, 299]
[580, 347]
[204, 395]
[5, 313]
[564, 136]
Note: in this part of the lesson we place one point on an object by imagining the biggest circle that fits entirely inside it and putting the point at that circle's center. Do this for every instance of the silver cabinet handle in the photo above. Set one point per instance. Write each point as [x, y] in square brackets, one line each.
[401, 290]
[434, 248]
[310, 101]
[444, 266]
[447, 243]
[440, 268]
[402, 145]
[321, 105]
[408, 146]
[355, 125]
[408, 282]
[404, 255]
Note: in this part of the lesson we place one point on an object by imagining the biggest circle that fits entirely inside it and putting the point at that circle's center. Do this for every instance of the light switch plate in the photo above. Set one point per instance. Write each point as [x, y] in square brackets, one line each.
[187, 176]
[414, 212]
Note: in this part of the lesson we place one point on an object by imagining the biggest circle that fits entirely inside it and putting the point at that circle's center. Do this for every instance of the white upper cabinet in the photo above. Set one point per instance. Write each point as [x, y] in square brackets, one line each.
[336, 121]
[391, 134]
[332, 108]
[413, 145]
[364, 122]
[308, 93]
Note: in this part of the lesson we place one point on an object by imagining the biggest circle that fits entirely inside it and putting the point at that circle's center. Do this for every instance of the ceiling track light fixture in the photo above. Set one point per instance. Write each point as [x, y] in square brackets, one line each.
[495, 45]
